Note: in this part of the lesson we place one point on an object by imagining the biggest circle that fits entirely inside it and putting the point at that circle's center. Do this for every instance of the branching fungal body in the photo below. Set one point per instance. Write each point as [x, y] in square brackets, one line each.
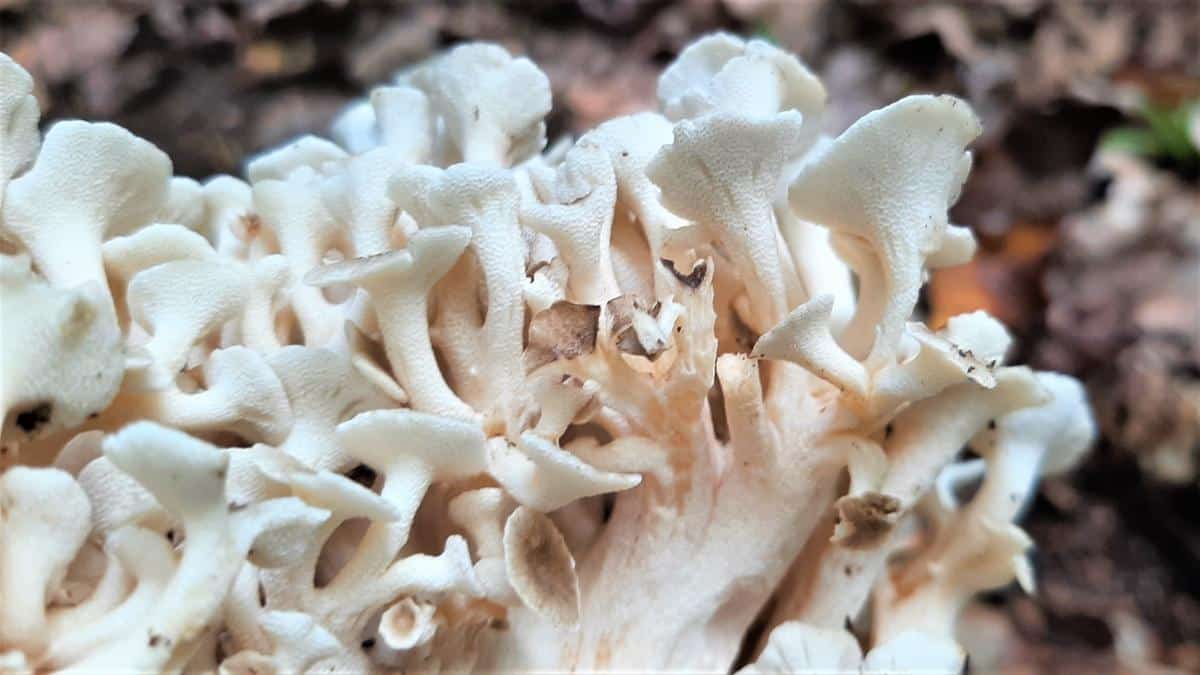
[432, 397]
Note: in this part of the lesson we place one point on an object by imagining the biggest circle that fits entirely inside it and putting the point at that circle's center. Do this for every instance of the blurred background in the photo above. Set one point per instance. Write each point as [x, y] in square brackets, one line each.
[1085, 197]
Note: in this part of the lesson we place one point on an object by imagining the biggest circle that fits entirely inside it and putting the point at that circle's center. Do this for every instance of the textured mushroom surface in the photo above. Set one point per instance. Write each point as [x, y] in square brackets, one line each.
[439, 396]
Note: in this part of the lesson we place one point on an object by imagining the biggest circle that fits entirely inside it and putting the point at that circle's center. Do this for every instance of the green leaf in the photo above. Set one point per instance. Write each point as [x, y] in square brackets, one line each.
[762, 31]
[1132, 140]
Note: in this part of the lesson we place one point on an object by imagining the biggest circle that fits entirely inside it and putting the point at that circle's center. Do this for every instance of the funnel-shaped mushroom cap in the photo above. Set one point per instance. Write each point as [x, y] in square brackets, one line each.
[358, 198]
[804, 338]
[18, 121]
[399, 283]
[722, 172]
[304, 152]
[187, 206]
[403, 122]
[153, 245]
[244, 393]
[179, 303]
[449, 447]
[754, 78]
[1060, 431]
[183, 473]
[540, 567]
[299, 642]
[90, 181]
[429, 255]
[408, 624]
[119, 500]
[542, 475]
[323, 389]
[490, 104]
[889, 180]
[355, 127]
[987, 338]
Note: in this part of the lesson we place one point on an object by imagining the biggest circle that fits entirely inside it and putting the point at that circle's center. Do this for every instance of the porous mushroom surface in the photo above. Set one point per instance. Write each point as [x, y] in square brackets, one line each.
[433, 396]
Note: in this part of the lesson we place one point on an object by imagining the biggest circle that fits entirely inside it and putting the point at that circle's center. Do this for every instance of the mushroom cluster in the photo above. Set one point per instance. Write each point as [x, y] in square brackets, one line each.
[433, 396]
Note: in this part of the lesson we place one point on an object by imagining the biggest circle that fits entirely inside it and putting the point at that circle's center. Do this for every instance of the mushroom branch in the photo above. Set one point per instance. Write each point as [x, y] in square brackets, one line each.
[435, 396]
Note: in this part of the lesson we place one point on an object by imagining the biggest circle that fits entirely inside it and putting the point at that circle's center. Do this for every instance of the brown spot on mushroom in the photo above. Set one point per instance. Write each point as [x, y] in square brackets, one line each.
[865, 519]
[250, 225]
[156, 640]
[627, 341]
[532, 269]
[540, 566]
[692, 279]
[620, 311]
[564, 330]
[31, 420]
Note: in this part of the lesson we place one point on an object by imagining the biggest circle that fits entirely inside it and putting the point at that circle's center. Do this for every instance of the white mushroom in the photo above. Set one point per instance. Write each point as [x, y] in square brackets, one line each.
[755, 78]
[888, 181]
[721, 172]
[358, 198]
[323, 390]
[187, 477]
[18, 121]
[576, 212]
[539, 474]
[412, 450]
[464, 404]
[179, 303]
[90, 181]
[62, 350]
[489, 104]
[485, 199]
[45, 518]
[305, 152]
[404, 122]
[399, 282]
[979, 547]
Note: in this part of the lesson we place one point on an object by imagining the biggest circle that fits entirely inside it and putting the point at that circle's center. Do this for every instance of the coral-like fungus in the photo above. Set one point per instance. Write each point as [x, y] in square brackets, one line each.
[435, 397]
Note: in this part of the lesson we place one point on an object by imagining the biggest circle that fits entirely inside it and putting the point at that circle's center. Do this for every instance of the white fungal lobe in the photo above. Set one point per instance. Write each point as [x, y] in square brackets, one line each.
[432, 396]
